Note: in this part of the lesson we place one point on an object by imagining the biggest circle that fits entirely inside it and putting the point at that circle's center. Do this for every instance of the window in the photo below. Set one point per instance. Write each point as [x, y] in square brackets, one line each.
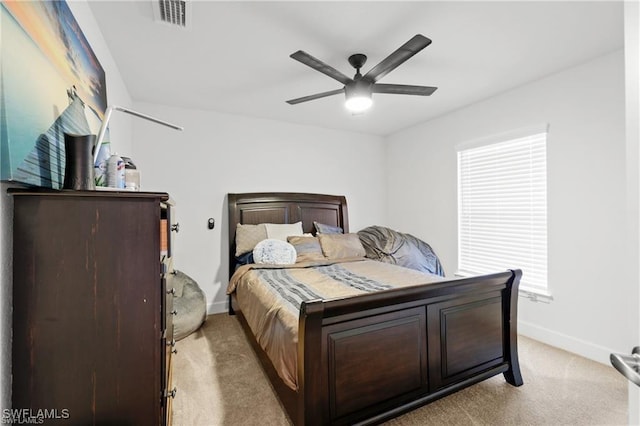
[502, 207]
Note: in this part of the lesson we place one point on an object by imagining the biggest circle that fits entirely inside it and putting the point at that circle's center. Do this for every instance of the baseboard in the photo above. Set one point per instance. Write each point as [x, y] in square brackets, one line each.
[568, 343]
[216, 308]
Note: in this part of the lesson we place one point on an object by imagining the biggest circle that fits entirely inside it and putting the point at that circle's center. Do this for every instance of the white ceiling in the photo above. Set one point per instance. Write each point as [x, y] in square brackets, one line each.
[235, 56]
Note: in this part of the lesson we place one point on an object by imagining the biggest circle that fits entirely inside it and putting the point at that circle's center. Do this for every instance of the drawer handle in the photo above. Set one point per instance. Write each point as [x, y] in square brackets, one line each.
[174, 272]
[172, 291]
[174, 312]
[171, 393]
[174, 351]
[175, 227]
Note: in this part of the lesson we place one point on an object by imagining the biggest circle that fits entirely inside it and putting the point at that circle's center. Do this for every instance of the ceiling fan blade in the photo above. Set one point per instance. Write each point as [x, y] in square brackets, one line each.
[403, 89]
[318, 65]
[316, 96]
[391, 62]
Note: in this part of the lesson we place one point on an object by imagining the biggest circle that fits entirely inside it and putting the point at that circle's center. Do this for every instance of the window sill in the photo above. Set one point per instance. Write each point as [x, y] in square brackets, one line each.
[535, 295]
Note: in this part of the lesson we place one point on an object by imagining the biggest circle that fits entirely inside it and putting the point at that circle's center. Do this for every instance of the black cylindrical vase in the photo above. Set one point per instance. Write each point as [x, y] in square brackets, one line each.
[78, 169]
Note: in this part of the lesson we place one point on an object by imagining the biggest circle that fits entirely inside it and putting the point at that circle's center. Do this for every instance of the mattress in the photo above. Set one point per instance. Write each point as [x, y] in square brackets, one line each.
[270, 296]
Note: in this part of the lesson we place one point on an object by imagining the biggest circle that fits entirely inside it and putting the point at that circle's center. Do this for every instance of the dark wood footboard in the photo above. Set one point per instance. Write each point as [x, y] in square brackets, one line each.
[365, 359]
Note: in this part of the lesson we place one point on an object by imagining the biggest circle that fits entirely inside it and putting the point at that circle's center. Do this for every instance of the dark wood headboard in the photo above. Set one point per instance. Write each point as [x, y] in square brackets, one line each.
[284, 207]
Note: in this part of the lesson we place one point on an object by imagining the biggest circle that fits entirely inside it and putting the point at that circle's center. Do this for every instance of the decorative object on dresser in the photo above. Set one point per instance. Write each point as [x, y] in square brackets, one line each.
[366, 358]
[78, 167]
[92, 317]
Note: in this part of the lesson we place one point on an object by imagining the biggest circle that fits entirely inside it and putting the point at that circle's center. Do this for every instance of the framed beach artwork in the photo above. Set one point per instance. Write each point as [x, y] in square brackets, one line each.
[51, 83]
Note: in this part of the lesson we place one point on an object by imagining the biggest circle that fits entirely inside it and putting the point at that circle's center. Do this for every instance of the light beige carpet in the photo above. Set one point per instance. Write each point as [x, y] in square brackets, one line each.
[220, 382]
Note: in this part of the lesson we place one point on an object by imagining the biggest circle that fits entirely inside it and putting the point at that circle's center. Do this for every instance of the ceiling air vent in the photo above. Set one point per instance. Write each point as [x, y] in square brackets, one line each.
[172, 12]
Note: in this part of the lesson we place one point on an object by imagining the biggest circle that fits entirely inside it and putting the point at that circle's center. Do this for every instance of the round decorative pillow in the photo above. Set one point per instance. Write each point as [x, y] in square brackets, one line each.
[274, 252]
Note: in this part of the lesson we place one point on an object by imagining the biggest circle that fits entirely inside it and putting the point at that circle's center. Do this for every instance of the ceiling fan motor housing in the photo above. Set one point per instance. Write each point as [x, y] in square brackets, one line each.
[357, 60]
[358, 88]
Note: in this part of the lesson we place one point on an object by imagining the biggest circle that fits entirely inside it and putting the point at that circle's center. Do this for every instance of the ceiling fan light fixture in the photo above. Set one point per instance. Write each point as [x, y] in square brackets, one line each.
[358, 97]
[358, 104]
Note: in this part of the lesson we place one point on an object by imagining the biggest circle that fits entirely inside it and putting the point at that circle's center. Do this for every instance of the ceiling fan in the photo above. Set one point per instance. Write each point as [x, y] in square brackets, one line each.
[358, 89]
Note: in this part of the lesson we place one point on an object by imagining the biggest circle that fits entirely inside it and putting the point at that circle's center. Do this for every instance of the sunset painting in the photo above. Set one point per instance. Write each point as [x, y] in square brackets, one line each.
[51, 83]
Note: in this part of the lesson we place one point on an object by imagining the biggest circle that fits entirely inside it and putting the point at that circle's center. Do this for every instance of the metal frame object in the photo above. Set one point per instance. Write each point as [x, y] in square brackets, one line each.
[107, 117]
[628, 365]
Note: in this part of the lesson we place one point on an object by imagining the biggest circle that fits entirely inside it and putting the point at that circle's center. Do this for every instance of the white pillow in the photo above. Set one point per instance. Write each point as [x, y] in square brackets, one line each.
[280, 231]
[274, 252]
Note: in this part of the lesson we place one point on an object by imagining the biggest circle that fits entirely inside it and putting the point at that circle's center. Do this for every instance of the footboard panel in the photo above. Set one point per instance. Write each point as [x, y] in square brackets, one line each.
[465, 337]
[376, 359]
[363, 360]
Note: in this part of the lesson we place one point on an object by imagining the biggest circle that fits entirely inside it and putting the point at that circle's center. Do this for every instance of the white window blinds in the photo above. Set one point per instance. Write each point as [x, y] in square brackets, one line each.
[502, 208]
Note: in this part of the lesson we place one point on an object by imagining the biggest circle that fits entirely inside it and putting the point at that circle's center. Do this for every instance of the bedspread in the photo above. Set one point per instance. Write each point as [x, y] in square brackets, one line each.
[270, 296]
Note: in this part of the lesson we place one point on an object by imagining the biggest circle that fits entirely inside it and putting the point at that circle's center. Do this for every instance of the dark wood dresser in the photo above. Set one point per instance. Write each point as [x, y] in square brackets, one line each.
[92, 317]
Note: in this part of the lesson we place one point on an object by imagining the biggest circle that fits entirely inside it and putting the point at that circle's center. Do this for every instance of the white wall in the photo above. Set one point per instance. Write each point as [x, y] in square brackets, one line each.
[221, 153]
[117, 93]
[584, 107]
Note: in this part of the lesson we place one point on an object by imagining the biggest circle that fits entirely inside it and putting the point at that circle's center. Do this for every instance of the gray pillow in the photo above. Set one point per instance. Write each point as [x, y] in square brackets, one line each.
[322, 228]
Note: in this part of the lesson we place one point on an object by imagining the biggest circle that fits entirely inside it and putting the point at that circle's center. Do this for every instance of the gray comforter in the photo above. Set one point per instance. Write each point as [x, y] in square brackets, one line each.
[389, 246]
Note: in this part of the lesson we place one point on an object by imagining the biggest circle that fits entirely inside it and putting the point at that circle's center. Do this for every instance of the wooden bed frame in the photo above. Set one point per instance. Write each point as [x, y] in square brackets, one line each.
[369, 358]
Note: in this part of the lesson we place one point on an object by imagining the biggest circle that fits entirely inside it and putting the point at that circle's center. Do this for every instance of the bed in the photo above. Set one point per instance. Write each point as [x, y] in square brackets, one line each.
[371, 357]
